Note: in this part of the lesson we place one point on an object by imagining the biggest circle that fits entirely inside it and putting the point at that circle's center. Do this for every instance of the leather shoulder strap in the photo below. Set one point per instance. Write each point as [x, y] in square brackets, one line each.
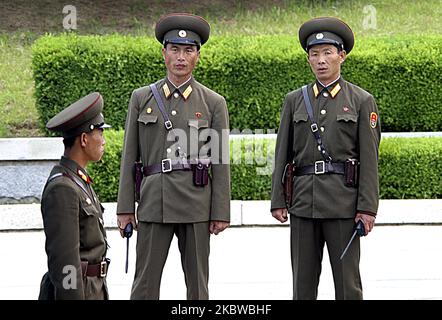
[156, 95]
[314, 126]
[65, 174]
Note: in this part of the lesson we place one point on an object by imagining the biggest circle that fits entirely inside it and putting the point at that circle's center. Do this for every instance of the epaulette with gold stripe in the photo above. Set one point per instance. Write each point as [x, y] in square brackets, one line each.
[315, 90]
[335, 90]
[187, 92]
[166, 90]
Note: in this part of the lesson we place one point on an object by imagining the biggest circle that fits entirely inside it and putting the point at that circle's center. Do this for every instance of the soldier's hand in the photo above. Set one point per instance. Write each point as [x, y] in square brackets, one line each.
[216, 227]
[280, 214]
[123, 220]
[368, 221]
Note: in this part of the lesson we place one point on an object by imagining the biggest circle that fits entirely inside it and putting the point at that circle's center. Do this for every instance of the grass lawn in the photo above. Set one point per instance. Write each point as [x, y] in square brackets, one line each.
[22, 21]
[18, 116]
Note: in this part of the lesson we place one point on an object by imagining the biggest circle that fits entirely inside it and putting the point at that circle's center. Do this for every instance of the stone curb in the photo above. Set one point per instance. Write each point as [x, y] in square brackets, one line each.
[243, 213]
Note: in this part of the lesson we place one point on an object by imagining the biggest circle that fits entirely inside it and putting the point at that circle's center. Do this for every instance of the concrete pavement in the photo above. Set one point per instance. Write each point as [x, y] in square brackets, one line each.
[397, 262]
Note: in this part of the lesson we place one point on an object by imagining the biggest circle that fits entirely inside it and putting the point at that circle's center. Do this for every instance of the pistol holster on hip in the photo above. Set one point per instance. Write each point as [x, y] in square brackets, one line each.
[287, 182]
[200, 172]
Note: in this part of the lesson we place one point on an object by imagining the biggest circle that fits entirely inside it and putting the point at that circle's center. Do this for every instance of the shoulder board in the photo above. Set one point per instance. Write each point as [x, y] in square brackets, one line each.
[55, 176]
[64, 174]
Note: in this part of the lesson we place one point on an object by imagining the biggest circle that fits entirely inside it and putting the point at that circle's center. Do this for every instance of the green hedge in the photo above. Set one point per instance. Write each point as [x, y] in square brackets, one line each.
[409, 168]
[253, 73]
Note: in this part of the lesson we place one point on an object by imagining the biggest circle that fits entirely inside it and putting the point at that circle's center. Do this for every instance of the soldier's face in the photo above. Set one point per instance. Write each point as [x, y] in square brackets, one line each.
[180, 60]
[325, 62]
[94, 144]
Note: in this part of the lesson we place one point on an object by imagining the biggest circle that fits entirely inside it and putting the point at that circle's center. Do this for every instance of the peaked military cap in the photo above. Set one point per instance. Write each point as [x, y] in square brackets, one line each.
[83, 115]
[326, 30]
[182, 28]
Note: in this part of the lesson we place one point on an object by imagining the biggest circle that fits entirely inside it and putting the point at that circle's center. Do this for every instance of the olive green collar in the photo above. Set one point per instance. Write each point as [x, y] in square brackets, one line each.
[331, 90]
[184, 90]
[76, 169]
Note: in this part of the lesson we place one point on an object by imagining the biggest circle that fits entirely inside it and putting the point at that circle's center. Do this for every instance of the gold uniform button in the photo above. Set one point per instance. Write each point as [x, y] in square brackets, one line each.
[323, 111]
[176, 95]
[173, 112]
[169, 150]
[325, 94]
[322, 129]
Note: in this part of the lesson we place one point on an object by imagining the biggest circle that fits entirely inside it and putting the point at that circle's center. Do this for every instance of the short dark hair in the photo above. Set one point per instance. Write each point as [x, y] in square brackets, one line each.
[69, 142]
[166, 43]
[340, 48]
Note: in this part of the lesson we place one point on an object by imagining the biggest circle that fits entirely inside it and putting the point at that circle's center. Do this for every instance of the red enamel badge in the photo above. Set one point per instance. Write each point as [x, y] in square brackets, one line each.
[83, 176]
[198, 114]
[373, 119]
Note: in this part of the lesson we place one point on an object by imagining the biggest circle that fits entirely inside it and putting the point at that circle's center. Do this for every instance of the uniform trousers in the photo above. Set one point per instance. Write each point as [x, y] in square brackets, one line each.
[307, 239]
[153, 243]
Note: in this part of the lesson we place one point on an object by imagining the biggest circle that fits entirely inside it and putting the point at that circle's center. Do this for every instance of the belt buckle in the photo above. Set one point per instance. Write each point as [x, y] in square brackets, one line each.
[320, 167]
[166, 165]
[103, 269]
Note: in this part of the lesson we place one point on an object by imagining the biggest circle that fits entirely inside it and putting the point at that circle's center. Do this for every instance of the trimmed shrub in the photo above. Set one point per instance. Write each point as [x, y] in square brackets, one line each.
[409, 168]
[106, 172]
[253, 73]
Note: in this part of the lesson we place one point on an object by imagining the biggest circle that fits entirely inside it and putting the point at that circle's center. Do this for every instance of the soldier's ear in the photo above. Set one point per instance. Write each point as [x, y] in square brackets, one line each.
[163, 51]
[83, 139]
[343, 55]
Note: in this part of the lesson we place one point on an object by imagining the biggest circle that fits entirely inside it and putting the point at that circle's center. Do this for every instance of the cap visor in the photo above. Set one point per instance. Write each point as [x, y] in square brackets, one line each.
[104, 126]
[183, 41]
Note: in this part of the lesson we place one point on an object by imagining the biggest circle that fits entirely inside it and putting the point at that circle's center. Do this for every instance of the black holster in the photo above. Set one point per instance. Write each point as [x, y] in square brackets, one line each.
[138, 177]
[200, 172]
[351, 176]
[287, 182]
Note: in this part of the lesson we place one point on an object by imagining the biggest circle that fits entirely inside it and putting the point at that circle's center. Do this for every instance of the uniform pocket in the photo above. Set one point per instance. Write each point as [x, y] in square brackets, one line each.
[198, 124]
[147, 118]
[346, 129]
[347, 117]
[88, 207]
[300, 117]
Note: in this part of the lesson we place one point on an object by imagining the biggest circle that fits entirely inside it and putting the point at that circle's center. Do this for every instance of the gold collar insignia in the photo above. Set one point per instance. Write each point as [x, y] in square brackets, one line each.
[166, 90]
[187, 92]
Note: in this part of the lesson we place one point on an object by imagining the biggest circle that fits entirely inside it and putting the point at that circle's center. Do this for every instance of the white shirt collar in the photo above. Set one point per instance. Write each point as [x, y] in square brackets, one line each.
[181, 84]
[330, 84]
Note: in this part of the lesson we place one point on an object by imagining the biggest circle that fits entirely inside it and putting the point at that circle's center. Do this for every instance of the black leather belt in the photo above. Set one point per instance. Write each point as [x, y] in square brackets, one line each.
[95, 270]
[321, 167]
[166, 165]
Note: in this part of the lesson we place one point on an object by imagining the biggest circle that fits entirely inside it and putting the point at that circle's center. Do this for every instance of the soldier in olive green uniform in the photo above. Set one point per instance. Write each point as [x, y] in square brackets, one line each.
[324, 209]
[72, 214]
[192, 130]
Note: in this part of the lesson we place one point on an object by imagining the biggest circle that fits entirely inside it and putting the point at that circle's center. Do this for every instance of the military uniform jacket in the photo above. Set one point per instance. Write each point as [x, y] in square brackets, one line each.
[349, 126]
[200, 121]
[73, 224]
